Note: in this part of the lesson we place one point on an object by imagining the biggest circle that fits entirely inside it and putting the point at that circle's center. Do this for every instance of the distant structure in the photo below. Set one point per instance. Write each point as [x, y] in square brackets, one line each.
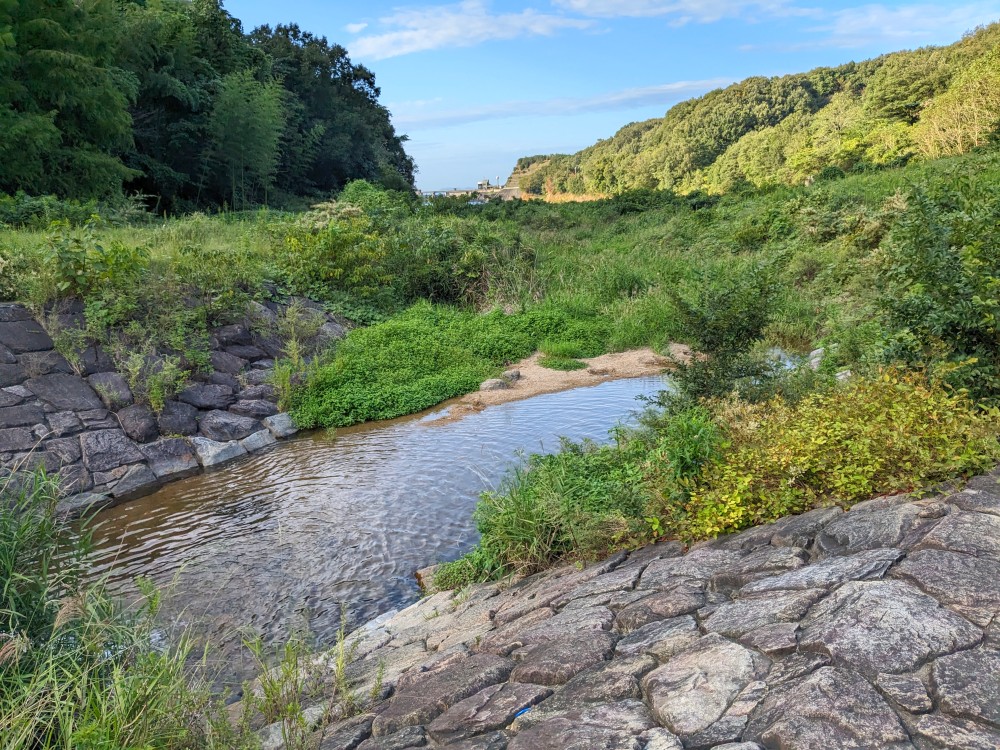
[484, 190]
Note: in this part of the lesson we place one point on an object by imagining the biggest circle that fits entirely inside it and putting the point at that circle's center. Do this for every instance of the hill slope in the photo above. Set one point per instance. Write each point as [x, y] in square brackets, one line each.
[924, 103]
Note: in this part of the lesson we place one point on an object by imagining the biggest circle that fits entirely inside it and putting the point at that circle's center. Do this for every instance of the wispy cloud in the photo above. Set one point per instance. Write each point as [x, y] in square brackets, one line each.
[462, 25]
[684, 11]
[410, 116]
[355, 28]
[903, 25]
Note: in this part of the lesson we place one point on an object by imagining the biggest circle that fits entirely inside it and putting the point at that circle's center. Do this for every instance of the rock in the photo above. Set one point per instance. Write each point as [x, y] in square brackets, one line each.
[212, 453]
[551, 628]
[170, 458]
[139, 480]
[966, 584]
[246, 351]
[401, 740]
[977, 501]
[74, 479]
[801, 530]
[227, 363]
[263, 364]
[82, 504]
[490, 709]
[223, 378]
[25, 415]
[491, 741]
[761, 563]
[511, 376]
[12, 312]
[829, 573]
[680, 600]
[347, 734]
[256, 409]
[258, 376]
[832, 708]
[94, 359]
[67, 449]
[773, 640]
[906, 691]
[64, 392]
[662, 638]
[426, 698]
[177, 418]
[555, 662]
[64, 423]
[660, 739]
[112, 389]
[494, 384]
[16, 439]
[258, 441]
[884, 626]
[614, 726]
[9, 398]
[258, 393]
[108, 449]
[222, 426]
[12, 375]
[860, 530]
[207, 396]
[36, 459]
[138, 423]
[973, 533]
[695, 687]
[751, 613]
[44, 363]
[796, 666]
[106, 479]
[7, 356]
[232, 334]
[962, 734]
[968, 685]
[330, 332]
[24, 336]
[98, 419]
[700, 564]
[730, 727]
[281, 425]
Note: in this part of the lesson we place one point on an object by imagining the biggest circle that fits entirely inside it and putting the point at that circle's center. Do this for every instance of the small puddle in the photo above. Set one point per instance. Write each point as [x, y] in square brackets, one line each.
[282, 540]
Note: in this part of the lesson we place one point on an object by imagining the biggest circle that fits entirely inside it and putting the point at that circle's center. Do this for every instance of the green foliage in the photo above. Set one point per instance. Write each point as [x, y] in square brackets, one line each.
[561, 363]
[81, 263]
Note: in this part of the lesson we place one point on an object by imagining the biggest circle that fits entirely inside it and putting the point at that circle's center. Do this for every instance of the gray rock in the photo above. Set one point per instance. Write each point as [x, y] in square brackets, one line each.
[207, 396]
[64, 423]
[960, 734]
[801, 530]
[329, 332]
[680, 600]
[7, 356]
[108, 449]
[745, 614]
[222, 426]
[490, 741]
[609, 726]
[700, 564]
[44, 363]
[280, 425]
[139, 480]
[347, 734]
[227, 363]
[9, 398]
[212, 453]
[258, 393]
[494, 384]
[25, 415]
[973, 533]
[64, 392]
[82, 504]
[98, 419]
[562, 624]
[35, 460]
[11, 312]
[425, 699]
[968, 685]
[796, 666]
[74, 479]
[968, 585]
[12, 375]
[829, 573]
[662, 638]
[761, 563]
[67, 449]
[178, 418]
[860, 530]
[555, 662]
[223, 378]
[773, 640]
[401, 740]
[246, 351]
[16, 439]
[24, 336]
[171, 458]
[695, 687]
[258, 376]
[231, 335]
[258, 441]
[263, 364]
[906, 691]
[884, 626]
[256, 409]
[978, 501]
[490, 709]
[661, 739]
[112, 389]
[139, 423]
[94, 359]
[832, 708]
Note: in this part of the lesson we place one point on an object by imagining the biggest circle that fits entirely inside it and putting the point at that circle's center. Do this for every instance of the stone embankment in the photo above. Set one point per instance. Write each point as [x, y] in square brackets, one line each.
[81, 419]
[873, 628]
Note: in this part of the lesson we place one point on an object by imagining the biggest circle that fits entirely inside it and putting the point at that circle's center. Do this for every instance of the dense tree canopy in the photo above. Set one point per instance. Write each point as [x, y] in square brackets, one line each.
[170, 98]
[789, 130]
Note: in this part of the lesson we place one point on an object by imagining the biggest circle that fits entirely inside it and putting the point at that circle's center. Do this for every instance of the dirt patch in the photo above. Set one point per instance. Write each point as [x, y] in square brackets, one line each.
[536, 380]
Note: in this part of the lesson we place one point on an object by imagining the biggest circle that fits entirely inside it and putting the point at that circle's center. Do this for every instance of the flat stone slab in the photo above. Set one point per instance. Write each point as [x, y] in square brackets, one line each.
[280, 425]
[862, 529]
[968, 685]
[24, 335]
[64, 392]
[223, 426]
[662, 638]
[966, 584]
[492, 708]
[830, 572]
[701, 564]
[555, 662]
[212, 453]
[972, 533]
[170, 457]
[746, 614]
[682, 599]
[884, 626]
[951, 732]
[104, 450]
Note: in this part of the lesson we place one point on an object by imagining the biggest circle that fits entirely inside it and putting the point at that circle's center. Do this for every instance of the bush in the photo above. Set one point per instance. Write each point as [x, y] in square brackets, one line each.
[869, 437]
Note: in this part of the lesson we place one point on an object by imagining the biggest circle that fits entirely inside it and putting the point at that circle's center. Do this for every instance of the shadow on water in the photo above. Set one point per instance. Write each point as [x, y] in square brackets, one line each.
[281, 540]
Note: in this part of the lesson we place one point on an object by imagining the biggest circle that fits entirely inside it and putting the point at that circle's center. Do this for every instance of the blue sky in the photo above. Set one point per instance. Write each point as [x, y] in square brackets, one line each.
[478, 83]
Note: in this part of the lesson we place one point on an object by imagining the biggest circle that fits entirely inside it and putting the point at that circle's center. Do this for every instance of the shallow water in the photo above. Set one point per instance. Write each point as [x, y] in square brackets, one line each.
[284, 538]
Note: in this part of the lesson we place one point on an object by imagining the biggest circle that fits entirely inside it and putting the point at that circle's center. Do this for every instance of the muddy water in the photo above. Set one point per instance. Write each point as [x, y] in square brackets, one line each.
[285, 538]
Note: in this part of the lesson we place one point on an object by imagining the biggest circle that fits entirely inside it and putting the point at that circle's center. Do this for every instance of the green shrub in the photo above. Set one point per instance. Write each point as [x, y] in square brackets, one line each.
[561, 363]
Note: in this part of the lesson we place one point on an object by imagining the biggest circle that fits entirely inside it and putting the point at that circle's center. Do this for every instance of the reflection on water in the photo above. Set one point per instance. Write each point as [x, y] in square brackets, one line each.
[286, 537]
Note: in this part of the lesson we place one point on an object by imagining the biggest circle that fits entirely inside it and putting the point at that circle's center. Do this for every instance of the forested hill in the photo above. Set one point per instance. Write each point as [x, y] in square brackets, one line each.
[917, 104]
[171, 98]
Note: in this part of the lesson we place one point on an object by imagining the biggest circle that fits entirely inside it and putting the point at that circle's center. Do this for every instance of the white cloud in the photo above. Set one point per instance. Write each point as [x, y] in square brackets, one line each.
[462, 25]
[904, 25]
[355, 28]
[668, 93]
[683, 11]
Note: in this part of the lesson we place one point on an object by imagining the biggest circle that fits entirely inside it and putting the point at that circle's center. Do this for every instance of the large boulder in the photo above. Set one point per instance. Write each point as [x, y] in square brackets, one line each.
[104, 450]
[207, 396]
[224, 426]
[139, 423]
[24, 336]
[64, 392]
[256, 408]
[24, 415]
[177, 418]
[171, 458]
[227, 363]
[212, 453]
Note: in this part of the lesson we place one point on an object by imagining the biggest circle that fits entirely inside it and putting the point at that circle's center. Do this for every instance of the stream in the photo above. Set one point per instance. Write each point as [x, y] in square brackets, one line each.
[281, 541]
